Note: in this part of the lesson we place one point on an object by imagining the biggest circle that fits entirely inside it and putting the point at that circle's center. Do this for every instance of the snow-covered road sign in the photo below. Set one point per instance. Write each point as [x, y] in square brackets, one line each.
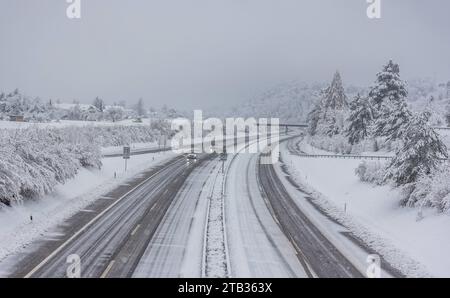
[126, 152]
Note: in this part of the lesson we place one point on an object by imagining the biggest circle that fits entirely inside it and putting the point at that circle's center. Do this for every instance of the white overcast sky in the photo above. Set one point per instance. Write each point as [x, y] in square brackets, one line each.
[201, 53]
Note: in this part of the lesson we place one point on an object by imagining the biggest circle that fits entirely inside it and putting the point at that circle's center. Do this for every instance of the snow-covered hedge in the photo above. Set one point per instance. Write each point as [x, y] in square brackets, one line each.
[336, 143]
[116, 135]
[34, 160]
[430, 190]
[372, 172]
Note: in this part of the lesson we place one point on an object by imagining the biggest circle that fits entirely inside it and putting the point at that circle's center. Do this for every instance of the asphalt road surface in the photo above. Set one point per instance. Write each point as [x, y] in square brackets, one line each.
[157, 227]
[176, 248]
[112, 243]
[317, 254]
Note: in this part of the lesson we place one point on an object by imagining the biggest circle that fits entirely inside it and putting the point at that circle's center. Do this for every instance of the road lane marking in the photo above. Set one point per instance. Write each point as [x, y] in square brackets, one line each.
[80, 231]
[299, 253]
[105, 273]
[276, 220]
[135, 230]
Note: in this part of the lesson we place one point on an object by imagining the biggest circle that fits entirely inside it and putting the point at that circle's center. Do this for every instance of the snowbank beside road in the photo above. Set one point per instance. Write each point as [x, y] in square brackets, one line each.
[16, 228]
[376, 210]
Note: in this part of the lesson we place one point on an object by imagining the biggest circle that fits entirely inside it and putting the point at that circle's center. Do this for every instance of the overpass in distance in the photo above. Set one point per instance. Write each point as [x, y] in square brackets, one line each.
[286, 125]
[305, 125]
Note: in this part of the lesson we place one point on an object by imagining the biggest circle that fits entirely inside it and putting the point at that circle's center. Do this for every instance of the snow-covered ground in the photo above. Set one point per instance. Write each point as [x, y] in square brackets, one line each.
[16, 229]
[64, 123]
[373, 213]
[445, 136]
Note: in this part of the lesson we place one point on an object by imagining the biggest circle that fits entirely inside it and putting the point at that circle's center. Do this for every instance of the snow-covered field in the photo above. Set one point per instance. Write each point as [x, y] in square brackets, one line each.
[374, 214]
[16, 228]
[65, 123]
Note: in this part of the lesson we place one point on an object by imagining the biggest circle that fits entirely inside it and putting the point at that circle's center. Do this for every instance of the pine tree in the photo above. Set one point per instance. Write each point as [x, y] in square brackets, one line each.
[334, 95]
[421, 153]
[75, 112]
[16, 104]
[99, 104]
[332, 108]
[359, 120]
[447, 113]
[332, 123]
[2, 103]
[393, 119]
[314, 117]
[327, 116]
[140, 109]
[388, 86]
[115, 113]
[388, 99]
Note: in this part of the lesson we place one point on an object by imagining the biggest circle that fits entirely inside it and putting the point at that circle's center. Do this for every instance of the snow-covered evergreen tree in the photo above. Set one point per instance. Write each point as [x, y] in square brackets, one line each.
[99, 104]
[388, 86]
[447, 113]
[327, 117]
[114, 113]
[392, 120]
[314, 118]
[389, 105]
[421, 153]
[37, 111]
[334, 95]
[16, 104]
[359, 120]
[139, 108]
[332, 123]
[2, 105]
[74, 112]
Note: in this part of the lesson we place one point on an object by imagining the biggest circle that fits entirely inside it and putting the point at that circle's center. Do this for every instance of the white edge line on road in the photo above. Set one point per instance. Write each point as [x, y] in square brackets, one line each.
[135, 229]
[105, 273]
[49, 257]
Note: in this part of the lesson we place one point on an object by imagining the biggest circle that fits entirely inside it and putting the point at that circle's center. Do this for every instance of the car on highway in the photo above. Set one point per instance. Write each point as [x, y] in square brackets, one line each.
[192, 157]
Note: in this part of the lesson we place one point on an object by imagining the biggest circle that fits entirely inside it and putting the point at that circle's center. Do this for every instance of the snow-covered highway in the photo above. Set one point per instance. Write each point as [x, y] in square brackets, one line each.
[315, 251]
[258, 248]
[176, 248]
[206, 218]
[113, 231]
